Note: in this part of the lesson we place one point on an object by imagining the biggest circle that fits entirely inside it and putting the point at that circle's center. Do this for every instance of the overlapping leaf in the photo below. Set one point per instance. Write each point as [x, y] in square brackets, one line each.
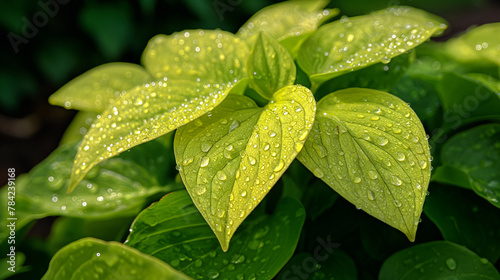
[438, 260]
[352, 43]
[174, 231]
[371, 148]
[270, 67]
[479, 162]
[91, 258]
[96, 88]
[289, 22]
[196, 70]
[229, 159]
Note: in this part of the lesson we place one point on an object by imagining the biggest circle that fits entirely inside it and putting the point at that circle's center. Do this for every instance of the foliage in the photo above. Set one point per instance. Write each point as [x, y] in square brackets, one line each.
[232, 112]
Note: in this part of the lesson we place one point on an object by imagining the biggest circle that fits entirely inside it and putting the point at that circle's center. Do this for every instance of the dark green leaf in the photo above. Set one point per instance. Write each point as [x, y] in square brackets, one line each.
[476, 152]
[230, 159]
[91, 258]
[438, 260]
[465, 219]
[174, 231]
[5, 264]
[323, 265]
[371, 148]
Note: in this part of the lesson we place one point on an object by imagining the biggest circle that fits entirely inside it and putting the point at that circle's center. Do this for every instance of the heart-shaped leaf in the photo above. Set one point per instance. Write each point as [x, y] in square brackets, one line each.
[174, 231]
[270, 67]
[371, 148]
[353, 43]
[290, 22]
[91, 258]
[204, 66]
[439, 260]
[95, 89]
[479, 163]
[232, 157]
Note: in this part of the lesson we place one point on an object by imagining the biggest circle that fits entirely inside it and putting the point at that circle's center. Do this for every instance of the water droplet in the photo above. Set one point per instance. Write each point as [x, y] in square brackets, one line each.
[451, 263]
[221, 175]
[382, 141]
[198, 263]
[204, 161]
[212, 273]
[200, 189]
[205, 147]
[251, 160]
[237, 258]
[235, 124]
[229, 147]
[279, 166]
[357, 180]
[423, 164]
[266, 146]
[370, 195]
[318, 173]
[400, 157]
[272, 134]
[320, 150]
[372, 174]
[396, 181]
[243, 193]
[187, 161]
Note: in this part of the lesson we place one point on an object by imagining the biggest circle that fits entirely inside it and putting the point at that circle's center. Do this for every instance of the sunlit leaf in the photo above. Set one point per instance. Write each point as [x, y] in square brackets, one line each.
[371, 148]
[465, 219]
[96, 88]
[476, 153]
[477, 44]
[91, 258]
[353, 43]
[212, 56]
[270, 67]
[174, 231]
[229, 159]
[437, 260]
[196, 70]
[289, 22]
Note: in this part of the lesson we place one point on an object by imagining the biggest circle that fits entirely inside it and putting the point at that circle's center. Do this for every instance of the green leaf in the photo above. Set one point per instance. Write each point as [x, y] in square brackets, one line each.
[212, 56]
[452, 176]
[371, 148]
[476, 152]
[438, 260]
[465, 219]
[466, 99]
[91, 258]
[270, 66]
[95, 89]
[5, 273]
[232, 157]
[478, 43]
[290, 21]
[323, 265]
[116, 188]
[353, 43]
[196, 69]
[174, 231]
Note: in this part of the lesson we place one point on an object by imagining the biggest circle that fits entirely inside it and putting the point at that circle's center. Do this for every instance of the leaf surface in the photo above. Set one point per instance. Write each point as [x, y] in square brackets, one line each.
[350, 44]
[195, 72]
[95, 89]
[476, 152]
[229, 159]
[290, 21]
[174, 231]
[370, 147]
[270, 67]
[91, 258]
[438, 260]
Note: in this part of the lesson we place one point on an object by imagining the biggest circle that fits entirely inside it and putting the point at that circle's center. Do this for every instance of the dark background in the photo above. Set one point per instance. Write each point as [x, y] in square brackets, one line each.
[69, 37]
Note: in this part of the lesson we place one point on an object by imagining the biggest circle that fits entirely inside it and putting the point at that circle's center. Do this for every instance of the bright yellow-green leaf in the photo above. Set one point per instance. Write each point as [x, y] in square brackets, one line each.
[195, 70]
[353, 43]
[371, 148]
[479, 43]
[291, 21]
[143, 114]
[270, 67]
[208, 55]
[230, 158]
[96, 88]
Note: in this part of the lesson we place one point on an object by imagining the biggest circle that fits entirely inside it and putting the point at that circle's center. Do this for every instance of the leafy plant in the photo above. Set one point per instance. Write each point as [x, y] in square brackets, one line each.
[232, 112]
